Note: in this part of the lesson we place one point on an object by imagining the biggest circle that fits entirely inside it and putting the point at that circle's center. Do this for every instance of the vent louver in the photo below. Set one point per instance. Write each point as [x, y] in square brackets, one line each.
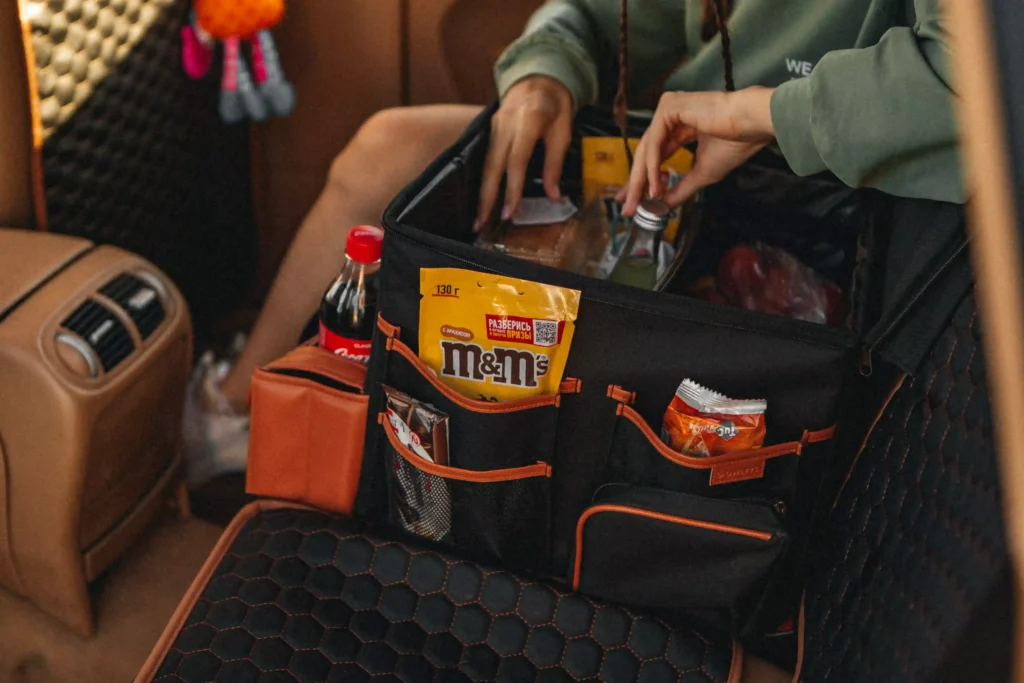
[138, 299]
[102, 331]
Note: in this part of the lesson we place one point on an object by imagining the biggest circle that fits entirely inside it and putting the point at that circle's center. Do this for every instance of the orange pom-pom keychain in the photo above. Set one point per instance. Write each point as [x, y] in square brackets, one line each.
[231, 22]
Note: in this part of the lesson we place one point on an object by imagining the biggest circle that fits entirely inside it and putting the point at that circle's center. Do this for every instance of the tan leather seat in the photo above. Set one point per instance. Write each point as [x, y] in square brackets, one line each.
[91, 386]
[15, 124]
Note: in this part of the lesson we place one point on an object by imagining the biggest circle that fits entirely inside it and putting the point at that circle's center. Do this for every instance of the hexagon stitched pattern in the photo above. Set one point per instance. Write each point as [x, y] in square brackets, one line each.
[304, 596]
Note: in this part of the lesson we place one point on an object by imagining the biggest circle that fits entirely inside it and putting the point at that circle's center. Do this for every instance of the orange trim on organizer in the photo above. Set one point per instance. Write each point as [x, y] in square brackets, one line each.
[800, 636]
[867, 435]
[469, 403]
[570, 385]
[387, 328]
[541, 469]
[818, 436]
[704, 463]
[38, 185]
[621, 395]
[736, 670]
[684, 521]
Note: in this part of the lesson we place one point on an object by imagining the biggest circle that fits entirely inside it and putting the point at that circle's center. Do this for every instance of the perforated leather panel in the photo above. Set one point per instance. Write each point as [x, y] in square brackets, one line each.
[303, 596]
[916, 541]
[132, 151]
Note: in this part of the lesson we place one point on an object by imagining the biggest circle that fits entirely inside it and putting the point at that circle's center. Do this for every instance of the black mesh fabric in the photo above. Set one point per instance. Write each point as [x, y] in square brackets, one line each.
[915, 547]
[304, 596]
[499, 521]
[133, 152]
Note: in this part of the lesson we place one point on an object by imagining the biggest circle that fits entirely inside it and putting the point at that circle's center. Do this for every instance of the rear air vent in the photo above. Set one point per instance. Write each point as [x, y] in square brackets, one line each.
[102, 331]
[138, 299]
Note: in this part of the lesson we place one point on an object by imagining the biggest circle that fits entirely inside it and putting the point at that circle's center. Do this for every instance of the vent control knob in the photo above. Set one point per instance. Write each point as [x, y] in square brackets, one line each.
[77, 357]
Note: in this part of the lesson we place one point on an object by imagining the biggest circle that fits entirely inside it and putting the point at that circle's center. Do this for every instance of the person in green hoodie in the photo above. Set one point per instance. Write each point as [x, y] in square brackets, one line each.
[857, 87]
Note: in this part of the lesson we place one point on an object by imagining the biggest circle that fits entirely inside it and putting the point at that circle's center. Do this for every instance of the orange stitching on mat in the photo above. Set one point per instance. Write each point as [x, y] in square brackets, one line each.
[185, 607]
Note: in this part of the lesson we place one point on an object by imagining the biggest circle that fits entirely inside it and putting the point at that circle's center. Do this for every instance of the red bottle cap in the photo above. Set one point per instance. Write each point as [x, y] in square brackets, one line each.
[364, 244]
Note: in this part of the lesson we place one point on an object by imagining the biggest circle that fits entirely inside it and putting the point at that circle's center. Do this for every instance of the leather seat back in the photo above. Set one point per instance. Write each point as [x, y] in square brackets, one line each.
[127, 150]
[913, 583]
[15, 124]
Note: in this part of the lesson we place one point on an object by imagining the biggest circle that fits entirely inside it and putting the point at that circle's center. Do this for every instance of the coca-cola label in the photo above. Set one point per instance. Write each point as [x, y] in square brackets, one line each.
[354, 349]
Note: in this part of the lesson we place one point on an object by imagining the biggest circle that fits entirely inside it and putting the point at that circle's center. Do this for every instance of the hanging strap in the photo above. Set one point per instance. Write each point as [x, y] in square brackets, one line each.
[620, 106]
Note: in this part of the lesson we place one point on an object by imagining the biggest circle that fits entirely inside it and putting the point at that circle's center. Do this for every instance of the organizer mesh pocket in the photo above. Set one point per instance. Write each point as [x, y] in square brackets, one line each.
[421, 501]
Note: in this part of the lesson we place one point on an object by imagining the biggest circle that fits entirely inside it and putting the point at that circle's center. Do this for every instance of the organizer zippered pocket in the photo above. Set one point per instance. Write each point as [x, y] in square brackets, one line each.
[676, 552]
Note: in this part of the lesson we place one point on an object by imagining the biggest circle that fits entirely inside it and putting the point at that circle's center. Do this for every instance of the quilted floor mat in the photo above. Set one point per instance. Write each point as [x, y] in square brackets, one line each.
[305, 596]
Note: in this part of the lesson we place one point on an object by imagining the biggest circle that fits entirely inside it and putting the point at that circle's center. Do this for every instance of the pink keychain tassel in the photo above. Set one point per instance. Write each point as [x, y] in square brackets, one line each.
[277, 92]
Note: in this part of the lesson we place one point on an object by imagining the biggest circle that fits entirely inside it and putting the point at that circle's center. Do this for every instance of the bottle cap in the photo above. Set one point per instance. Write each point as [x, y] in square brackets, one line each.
[364, 244]
[652, 214]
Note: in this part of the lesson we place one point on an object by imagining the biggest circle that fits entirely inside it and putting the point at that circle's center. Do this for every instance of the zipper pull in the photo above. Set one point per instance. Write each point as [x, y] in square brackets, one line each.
[865, 362]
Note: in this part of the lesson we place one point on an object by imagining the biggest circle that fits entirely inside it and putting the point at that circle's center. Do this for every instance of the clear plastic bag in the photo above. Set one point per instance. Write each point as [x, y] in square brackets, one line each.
[771, 280]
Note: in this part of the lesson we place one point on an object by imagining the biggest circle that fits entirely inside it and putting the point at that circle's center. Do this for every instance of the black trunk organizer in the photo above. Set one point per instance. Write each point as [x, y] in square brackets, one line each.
[630, 351]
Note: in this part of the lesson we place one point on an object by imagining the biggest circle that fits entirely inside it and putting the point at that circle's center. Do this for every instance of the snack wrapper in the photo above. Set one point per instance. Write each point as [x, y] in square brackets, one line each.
[606, 171]
[420, 427]
[495, 338]
[421, 502]
[703, 422]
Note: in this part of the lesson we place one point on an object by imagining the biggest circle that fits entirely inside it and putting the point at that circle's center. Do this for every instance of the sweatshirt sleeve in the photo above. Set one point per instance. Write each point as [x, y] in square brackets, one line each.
[880, 116]
[560, 41]
[576, 43]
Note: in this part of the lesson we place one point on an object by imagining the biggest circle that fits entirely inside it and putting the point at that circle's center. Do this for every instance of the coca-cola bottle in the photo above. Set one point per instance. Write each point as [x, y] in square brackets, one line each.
[349, 306]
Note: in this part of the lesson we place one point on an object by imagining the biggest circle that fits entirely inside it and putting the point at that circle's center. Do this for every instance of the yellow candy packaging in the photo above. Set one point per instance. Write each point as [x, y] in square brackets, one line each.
[495, 338]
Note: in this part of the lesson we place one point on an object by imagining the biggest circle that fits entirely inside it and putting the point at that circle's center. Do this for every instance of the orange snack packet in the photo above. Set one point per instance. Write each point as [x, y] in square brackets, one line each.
[703, 422]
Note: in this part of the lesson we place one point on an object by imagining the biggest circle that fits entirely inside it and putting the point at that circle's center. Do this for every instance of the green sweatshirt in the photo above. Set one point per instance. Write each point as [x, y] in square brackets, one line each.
[862, 85]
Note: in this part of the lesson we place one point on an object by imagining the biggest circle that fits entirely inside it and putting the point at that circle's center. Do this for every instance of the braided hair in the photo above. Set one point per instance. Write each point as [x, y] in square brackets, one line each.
[713, 22]
[716, 12]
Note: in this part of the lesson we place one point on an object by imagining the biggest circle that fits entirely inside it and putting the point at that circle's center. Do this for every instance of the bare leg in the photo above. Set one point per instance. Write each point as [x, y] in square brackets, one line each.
[387, 153]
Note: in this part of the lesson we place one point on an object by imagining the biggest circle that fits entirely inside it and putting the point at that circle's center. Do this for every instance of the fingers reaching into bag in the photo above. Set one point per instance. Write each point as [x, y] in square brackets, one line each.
[537, 109]
[729, 129]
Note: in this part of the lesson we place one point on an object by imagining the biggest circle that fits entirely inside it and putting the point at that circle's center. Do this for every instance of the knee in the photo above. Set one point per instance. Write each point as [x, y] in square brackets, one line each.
[376, 140]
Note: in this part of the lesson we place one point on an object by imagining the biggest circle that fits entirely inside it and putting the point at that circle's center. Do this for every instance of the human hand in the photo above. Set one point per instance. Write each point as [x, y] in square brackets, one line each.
[536, 108]
[729, 127]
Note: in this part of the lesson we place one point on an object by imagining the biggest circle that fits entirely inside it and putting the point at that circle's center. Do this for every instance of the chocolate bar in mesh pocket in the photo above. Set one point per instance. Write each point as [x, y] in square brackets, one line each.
[423, 428]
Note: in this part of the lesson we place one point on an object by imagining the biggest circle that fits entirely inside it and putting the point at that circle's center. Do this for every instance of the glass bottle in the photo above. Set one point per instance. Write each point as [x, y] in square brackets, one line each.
[638, 261]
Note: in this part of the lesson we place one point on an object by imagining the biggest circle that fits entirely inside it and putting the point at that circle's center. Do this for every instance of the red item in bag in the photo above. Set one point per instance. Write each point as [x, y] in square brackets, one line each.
[703, 422]
[771, 280]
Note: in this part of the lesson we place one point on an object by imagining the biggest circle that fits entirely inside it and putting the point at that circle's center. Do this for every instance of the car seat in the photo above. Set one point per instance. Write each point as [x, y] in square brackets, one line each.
[103, 137]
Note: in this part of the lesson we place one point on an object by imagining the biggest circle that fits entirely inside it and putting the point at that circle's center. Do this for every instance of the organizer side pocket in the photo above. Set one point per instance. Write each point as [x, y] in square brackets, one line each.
[638, 457]
[500, 514]
[307, 424]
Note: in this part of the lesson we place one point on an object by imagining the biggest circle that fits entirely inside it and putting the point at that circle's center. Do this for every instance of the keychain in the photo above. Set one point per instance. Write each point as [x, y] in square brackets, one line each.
[264, 92]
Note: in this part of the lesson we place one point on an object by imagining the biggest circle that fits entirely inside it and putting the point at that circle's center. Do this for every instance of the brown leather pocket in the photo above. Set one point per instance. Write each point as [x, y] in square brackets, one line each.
[308, 422]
